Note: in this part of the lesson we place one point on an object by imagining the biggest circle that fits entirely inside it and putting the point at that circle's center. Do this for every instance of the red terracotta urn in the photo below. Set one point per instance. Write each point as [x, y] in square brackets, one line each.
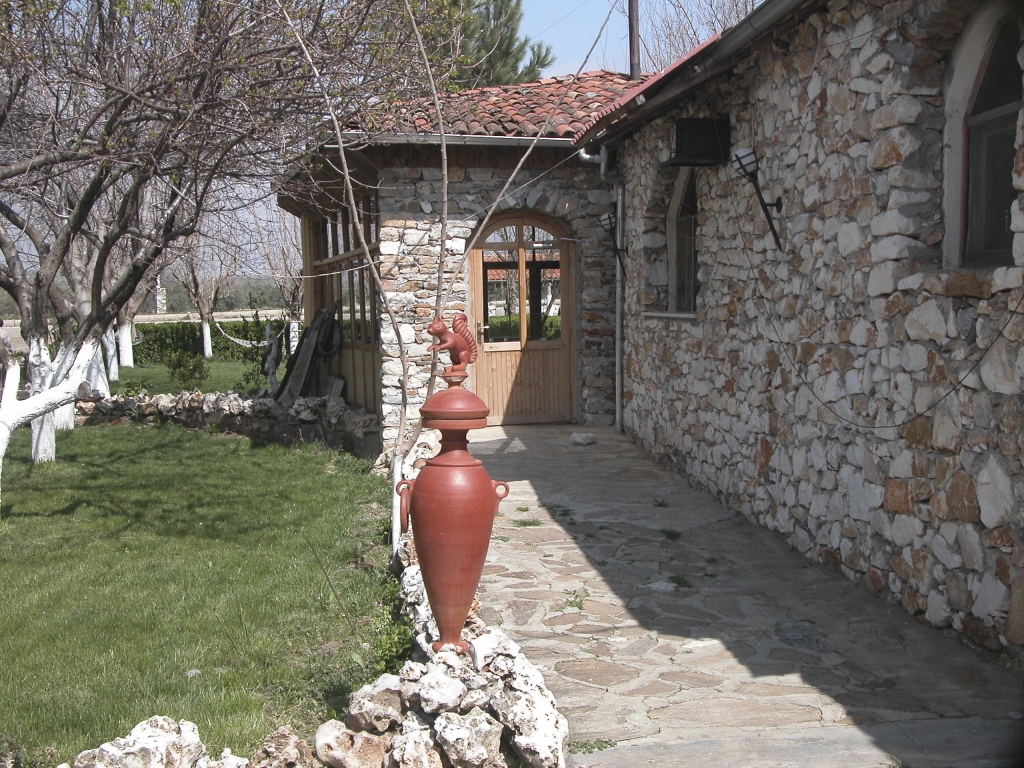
[452, 504]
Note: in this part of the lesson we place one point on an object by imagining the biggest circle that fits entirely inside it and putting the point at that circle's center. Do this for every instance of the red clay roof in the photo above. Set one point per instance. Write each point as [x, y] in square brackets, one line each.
[517, 110]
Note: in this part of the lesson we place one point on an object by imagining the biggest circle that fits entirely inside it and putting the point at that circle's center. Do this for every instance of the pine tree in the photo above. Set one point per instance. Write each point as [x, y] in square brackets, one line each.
[494, 51]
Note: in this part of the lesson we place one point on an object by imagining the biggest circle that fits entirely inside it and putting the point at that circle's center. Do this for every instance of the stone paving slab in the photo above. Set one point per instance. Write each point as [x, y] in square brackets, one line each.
[672, 626]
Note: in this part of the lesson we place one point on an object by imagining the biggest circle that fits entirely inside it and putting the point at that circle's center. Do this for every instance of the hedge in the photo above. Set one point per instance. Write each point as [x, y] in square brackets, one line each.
[159, 340]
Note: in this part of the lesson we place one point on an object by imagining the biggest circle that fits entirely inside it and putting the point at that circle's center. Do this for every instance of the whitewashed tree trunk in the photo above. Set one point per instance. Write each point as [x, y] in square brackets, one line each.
[44, 441]
[125, 350]
[97, 373]
[207, 340]
[110, 353]
[15, 413]
[64, 416]
[160, 294]
[293, 336]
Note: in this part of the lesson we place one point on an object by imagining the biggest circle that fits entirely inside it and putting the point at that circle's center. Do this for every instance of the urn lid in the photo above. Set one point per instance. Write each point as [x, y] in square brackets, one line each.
[455, 407]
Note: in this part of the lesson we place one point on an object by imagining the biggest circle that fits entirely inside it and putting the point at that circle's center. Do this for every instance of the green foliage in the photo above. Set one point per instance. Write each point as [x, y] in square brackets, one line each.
[495, 53]
[508, 327]
[588, 747]
[526, 522]
[159, 339]
[253, 377]
[671, 534]
[133, 387]
[680, 581]
[575, 599]
[193, 555]
[223, 375]
[187, 369]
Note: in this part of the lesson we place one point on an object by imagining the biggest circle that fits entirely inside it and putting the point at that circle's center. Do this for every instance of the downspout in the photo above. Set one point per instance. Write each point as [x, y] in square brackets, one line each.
[620, 196]
[601, 157]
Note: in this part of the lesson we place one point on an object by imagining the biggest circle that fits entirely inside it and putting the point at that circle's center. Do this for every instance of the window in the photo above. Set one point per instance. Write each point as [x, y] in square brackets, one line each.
[990, 153]
[683, 284]
[983, 99]
[521, 268]
[335, 235]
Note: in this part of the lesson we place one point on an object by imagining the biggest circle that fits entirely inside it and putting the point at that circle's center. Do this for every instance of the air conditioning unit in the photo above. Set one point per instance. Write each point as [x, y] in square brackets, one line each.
[702, 141]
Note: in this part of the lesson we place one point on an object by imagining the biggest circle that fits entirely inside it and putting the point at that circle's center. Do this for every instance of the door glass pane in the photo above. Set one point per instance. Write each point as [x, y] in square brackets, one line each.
[506, 234]
[543, 293]
[533, 234]
[501, 295]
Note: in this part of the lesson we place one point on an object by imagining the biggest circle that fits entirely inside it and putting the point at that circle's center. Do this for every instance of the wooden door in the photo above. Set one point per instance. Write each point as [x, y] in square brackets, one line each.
[520, 303]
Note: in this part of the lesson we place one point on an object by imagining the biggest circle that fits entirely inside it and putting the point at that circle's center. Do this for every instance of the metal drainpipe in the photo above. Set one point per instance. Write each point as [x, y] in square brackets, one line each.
[602, 158]
[620, 197]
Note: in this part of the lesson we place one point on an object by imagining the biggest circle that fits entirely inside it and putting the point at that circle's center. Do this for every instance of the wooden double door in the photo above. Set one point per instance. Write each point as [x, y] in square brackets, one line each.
[521, 297]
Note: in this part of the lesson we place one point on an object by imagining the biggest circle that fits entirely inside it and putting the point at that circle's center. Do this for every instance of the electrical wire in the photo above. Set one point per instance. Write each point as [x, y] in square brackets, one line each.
[769, 313]
[810, 387]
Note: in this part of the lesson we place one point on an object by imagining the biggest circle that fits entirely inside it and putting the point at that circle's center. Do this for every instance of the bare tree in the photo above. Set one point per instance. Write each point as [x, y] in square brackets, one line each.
[277, 242]
[206, 266]
[670, 28]
[118, 120]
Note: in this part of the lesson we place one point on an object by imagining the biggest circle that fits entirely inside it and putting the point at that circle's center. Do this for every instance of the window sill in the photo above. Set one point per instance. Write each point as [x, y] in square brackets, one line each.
[669, 315]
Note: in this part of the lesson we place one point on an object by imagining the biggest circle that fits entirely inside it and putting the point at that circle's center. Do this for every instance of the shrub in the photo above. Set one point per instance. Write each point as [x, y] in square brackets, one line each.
[132, 387]
[161, 339]
[188, 369]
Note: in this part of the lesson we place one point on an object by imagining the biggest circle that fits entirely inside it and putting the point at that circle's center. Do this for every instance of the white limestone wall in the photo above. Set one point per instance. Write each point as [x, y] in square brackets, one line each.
[854, 321]
[410, 198]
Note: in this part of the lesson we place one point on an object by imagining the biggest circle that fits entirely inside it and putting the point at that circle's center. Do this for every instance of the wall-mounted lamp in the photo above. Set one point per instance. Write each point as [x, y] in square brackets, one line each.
[608, 225]
[745, 163]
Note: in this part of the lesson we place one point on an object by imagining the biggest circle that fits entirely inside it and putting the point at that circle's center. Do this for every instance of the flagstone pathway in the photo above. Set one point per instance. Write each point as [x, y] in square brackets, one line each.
[684, 634]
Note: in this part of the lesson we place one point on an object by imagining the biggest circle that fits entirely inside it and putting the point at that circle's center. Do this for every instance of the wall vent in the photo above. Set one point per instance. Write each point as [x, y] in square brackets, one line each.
[702, 141]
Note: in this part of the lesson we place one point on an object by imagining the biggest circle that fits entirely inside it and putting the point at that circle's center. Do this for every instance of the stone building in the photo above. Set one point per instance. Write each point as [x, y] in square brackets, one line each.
[858, 389]
[856, 386]
[537, 288]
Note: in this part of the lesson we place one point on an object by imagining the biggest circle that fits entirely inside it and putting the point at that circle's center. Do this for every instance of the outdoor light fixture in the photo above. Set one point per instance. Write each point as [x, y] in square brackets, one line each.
[608, 225]
[745, 163]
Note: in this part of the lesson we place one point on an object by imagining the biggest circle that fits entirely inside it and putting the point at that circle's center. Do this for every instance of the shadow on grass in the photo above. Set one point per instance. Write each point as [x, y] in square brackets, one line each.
[179, 483]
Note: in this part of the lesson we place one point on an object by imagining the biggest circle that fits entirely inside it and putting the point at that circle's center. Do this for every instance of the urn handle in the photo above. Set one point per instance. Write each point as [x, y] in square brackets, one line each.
[501, 494]
[404, 491]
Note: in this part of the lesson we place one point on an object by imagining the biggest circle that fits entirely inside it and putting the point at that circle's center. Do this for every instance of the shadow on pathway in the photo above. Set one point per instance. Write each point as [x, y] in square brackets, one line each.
[674, 627]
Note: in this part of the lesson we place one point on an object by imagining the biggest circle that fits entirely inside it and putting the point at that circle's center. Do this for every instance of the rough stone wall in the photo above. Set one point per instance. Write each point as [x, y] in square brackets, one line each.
[325, 420]
[810, 391]
[410, 199]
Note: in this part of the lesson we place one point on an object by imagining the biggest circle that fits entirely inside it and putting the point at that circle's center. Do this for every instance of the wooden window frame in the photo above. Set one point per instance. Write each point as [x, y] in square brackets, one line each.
[968, 65]
[681, 305]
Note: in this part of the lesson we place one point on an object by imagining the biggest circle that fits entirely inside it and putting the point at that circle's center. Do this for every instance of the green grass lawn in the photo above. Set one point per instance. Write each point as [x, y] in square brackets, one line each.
[147, 552]
[224, 375]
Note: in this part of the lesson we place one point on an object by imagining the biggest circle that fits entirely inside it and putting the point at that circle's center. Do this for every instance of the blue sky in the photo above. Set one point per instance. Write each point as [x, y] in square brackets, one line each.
[572, 36]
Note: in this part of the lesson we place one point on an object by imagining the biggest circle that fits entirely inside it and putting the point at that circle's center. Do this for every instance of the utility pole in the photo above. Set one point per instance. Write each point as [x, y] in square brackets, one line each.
[634, 40]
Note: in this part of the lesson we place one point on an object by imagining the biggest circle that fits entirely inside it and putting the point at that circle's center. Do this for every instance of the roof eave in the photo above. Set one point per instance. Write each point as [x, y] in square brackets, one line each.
[709, 59]
[453, 139]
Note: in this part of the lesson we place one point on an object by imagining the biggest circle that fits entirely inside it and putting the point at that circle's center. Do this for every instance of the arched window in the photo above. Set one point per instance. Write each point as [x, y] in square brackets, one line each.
[983, 100]
[681, 236]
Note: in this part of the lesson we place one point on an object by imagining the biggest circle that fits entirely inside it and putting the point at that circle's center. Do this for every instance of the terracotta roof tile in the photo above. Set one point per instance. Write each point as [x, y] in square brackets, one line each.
[517, 110]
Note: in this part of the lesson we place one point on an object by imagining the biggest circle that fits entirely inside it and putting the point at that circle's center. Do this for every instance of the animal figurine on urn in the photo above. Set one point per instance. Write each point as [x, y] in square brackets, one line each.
[453, 501]
[459, 342]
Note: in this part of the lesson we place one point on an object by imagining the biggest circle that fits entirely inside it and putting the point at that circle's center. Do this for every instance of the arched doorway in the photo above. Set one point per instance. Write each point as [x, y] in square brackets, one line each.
[521, 308]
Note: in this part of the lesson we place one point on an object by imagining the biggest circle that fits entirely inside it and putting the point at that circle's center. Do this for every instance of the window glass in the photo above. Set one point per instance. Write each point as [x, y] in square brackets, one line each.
[544, 293]
[990, 155]
[1001, 83]
[506, 234]
[501, 295]
[686, 283]
[534, 234]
